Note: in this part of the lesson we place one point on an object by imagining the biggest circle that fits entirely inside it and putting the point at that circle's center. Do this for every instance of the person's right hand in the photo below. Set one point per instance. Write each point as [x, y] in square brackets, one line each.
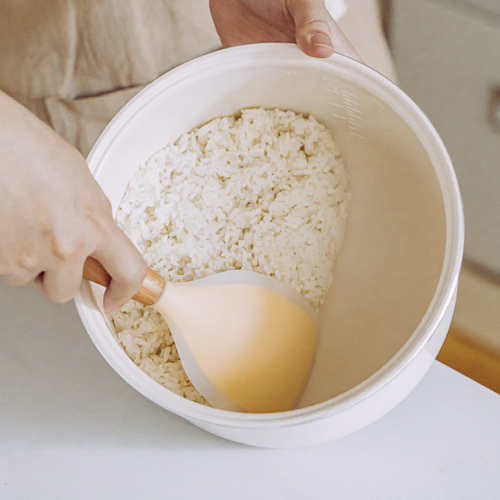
[53, 215]
[304, 22]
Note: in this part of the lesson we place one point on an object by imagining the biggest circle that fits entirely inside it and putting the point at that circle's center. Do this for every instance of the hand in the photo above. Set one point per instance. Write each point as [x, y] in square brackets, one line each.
[304, 22]
[53, 215]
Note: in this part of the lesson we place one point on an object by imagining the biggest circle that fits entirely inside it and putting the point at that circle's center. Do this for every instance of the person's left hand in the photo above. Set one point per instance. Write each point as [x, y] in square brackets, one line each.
[304, 22]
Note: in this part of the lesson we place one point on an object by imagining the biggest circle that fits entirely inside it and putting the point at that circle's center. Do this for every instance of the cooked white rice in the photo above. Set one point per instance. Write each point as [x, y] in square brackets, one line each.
[266, 191]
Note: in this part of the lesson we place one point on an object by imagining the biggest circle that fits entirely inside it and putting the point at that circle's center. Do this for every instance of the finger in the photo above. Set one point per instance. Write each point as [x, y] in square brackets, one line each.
[316, 33]
[61, 285]
[24, 277]
[124, 264]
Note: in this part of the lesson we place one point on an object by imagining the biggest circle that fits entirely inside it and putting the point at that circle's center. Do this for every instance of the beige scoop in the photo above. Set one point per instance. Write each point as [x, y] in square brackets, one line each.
[246, 341]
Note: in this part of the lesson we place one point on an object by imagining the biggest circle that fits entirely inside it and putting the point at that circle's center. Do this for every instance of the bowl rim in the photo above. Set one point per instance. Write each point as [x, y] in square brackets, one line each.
[383, 89]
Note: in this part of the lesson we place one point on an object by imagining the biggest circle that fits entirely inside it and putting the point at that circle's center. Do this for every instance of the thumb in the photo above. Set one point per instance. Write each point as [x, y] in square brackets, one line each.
[316, 33]
[124, 264]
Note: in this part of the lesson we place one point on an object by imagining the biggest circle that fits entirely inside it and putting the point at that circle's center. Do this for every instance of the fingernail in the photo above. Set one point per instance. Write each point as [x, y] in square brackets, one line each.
[320, 40]
[111, 308]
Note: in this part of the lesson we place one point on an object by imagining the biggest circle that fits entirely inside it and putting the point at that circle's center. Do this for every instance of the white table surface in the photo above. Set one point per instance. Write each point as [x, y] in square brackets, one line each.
[70, 428]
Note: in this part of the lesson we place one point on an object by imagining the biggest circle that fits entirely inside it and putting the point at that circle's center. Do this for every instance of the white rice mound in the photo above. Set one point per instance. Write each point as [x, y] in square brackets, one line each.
[266, 191]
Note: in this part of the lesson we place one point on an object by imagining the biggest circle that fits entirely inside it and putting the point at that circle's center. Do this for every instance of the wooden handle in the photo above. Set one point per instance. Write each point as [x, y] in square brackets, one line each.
[149, 293]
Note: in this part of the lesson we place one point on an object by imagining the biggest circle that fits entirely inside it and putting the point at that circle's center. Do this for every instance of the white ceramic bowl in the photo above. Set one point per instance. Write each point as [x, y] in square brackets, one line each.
[395, 283]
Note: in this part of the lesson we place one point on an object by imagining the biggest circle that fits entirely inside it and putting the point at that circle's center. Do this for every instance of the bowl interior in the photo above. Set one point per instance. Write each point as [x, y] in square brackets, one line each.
[392, 258]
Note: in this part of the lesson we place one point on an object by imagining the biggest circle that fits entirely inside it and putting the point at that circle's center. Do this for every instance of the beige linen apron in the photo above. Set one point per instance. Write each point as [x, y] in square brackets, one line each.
[75, 63]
